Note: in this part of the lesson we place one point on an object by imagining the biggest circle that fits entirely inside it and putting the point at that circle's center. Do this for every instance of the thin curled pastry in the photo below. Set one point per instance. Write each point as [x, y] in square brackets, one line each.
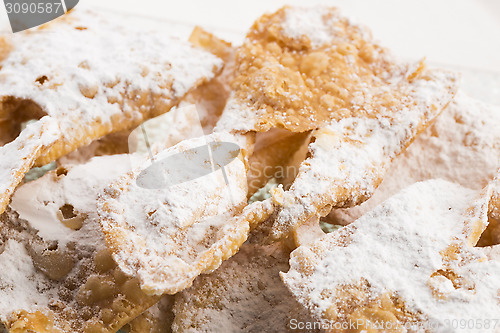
[91, 76]
[61, 276]
[312, 69]
[408, 264]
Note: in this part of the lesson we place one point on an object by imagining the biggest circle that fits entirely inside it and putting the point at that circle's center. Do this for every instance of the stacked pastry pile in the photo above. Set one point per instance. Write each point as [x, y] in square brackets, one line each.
[325, 186]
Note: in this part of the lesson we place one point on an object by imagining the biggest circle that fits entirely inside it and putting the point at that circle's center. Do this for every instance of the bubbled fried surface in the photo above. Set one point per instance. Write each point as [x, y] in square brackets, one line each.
[287, 80]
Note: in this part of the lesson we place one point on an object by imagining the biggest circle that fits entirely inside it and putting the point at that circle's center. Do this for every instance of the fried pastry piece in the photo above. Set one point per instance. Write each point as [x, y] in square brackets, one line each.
[349, 158]
[244, 295]
[197, 112]
[94, 77]
[167, 235]
[302, 68]
[60, 276]
[462, 146]
[408, 265]
[312, 69]
[159, 317]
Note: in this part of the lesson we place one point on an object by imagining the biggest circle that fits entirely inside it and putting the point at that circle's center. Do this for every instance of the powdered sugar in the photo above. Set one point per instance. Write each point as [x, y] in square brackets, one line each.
[175, 206]
[244, 295]
[462, 146]
[180, 123]
[237, 115]
[92, 76]
[169, 229]
[39, 202]
[396, 248]
[20, 283]
[97, 76]
[301, 22]
[350, 156]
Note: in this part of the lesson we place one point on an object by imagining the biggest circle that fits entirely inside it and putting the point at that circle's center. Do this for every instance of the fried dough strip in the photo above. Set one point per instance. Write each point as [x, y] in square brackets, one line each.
[60, 274]
[302, 68]
[167, 236]
[59, 211]
[461, 146]
[312, 69]
[93, 77]
[349, 158]
[404, 264]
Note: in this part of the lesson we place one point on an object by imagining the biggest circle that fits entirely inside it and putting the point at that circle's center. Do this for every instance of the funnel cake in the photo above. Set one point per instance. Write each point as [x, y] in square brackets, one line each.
[60, 276]
[167, 236]
[244, 295]
[92, 77]
[408, 265]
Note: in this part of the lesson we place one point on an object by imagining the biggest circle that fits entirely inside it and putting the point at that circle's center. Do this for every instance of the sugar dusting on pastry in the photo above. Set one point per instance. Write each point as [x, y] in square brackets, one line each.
[300, 22]
[244, 295]
[76, 184]
[398, 250]
[315, 25]
[364, 105]
[291, 80]
[175, 232]
[408, 261]
[349, 157]
[61, 275]
[21, 283]
[94, 76]
[92, 65]
[462, 146]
